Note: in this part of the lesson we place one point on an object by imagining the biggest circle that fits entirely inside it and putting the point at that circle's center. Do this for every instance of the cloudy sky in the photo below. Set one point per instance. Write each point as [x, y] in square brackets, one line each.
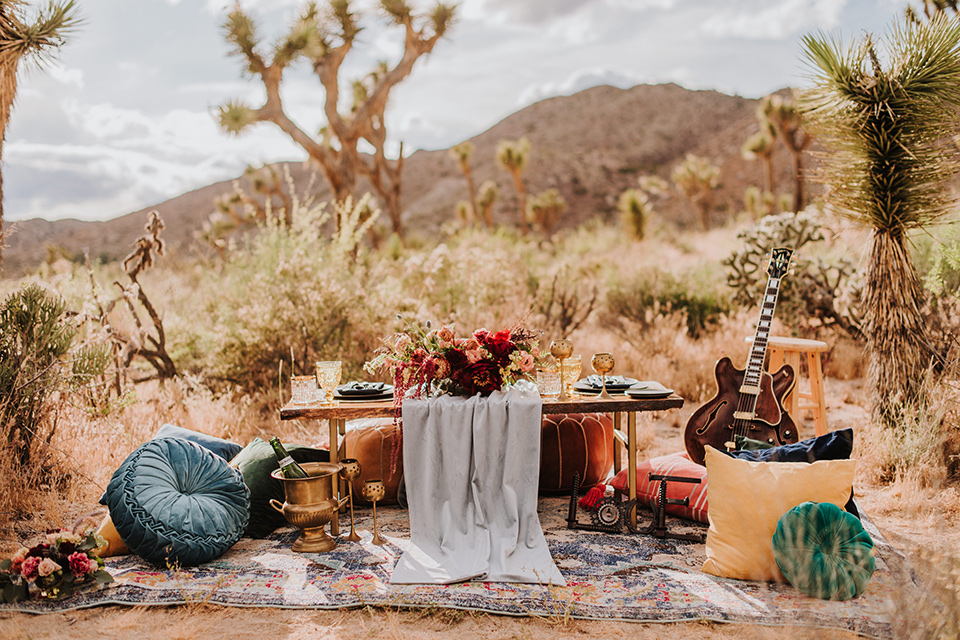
[125, 118]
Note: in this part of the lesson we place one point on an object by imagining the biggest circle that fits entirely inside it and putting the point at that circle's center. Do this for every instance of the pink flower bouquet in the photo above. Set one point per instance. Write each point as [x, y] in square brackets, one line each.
[54, 568]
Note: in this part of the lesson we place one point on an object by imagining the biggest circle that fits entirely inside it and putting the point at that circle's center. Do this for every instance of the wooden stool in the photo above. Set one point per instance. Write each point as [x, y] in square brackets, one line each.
[791, 351]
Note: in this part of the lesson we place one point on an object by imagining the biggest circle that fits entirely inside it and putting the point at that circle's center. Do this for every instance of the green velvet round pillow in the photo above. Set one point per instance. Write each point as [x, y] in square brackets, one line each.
[824, 551]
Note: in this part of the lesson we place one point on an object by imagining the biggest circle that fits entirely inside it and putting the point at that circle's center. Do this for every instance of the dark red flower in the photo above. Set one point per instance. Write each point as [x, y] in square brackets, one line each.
[500, 347]
[481, 377]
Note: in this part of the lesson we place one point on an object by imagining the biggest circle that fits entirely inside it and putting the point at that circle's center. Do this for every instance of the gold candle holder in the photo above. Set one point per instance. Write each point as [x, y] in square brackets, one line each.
[561, 350]
[350, 470]
[374, 490]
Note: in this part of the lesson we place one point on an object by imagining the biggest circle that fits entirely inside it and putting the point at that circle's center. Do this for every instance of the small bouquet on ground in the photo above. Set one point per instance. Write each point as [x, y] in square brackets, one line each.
[56, 567]
[425, 361]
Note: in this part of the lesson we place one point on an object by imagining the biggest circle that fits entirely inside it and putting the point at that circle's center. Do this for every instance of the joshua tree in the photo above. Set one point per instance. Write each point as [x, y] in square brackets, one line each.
[462, 153]
[544, 209]
[886, 166]
[513, 156]
[760, 146]
[697, 178]
[933, 8]
[634, 206]
[786, 118]
[324, 40]
[20, 39]
[488, 196]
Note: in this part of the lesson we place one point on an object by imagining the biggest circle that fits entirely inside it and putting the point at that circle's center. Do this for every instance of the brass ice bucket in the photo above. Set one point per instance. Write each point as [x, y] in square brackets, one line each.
[310, 505]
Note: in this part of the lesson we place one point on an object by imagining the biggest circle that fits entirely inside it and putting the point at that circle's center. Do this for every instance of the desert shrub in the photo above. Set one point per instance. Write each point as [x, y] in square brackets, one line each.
[39, 366]
[294, 295]
[633, 303]
[818, 291]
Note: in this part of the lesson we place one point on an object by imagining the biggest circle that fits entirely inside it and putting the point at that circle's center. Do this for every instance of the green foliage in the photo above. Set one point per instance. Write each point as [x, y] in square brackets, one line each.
[292, 293]
[815, 291]
[36, 337]
[648, 294]
[885, 127]
[544, 208]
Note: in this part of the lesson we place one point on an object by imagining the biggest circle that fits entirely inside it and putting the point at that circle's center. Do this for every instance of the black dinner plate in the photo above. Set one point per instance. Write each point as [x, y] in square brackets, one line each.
[586, 387]
[364, 389]
[364, 398]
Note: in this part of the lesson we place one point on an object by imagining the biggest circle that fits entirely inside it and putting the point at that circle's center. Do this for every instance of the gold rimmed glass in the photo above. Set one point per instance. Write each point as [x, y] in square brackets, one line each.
[328, 377]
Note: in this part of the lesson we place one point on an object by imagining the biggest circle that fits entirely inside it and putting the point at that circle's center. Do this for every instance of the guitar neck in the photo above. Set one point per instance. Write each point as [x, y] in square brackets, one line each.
[754, 368]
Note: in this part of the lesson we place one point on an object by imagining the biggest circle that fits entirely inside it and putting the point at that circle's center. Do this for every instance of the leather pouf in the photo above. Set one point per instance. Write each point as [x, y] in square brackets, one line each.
[575, 443]
[370, 440]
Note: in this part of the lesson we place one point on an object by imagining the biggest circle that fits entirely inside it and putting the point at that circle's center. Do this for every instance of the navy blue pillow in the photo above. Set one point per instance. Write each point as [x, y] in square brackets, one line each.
[172, 501]
[223, 448]
[836, 445]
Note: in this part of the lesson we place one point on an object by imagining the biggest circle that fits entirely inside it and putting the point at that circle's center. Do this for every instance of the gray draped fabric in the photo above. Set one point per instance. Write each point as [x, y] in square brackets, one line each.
[471, 467]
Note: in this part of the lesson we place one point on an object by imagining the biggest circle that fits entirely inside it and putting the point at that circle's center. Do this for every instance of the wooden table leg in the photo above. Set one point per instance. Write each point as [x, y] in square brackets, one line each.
[632, 463]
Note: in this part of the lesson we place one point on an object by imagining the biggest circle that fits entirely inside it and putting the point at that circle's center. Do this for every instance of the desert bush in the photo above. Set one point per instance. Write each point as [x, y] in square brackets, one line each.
[818, 291]
[40, 364]
[294, 295]
[633, 303]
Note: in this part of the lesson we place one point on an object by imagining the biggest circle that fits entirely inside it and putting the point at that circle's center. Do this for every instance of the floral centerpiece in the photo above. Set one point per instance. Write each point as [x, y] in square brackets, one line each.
[55, 568]
[425, 361]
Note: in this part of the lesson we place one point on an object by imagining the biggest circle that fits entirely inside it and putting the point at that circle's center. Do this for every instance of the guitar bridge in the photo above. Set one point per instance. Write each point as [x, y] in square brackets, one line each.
[743, 415]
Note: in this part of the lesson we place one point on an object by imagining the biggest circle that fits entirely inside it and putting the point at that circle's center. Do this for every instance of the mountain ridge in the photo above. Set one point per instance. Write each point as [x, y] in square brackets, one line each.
[590, 146]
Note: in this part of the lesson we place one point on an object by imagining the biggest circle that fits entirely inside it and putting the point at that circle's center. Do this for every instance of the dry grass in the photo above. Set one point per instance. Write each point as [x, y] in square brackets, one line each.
[464, 281]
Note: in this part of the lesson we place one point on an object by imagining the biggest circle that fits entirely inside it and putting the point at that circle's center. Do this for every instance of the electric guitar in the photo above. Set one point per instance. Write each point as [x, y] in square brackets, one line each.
[749, 402]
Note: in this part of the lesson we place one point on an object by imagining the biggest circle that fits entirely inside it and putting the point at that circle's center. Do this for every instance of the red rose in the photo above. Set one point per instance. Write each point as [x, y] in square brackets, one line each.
[500, 347]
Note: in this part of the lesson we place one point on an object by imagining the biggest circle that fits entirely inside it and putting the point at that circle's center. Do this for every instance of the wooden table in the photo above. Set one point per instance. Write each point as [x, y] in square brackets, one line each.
[619, 406]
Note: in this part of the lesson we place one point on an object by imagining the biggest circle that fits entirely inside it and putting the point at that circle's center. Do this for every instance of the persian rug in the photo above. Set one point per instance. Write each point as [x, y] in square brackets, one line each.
[609, 577]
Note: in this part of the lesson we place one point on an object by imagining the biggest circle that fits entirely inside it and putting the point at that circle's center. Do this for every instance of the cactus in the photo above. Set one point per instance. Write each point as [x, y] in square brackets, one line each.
[815, 290]
[635, 209]
[544, 209]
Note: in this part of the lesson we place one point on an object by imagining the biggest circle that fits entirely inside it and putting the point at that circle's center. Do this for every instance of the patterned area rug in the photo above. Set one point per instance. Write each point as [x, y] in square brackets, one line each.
[609, 577]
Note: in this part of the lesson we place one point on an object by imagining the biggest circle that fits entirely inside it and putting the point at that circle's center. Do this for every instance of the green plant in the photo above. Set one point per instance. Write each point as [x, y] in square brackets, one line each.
[36, 338]
[816, 292]
[544, 209]
[633, 304]
[513, 155]
[697, 178]
[635, 209]
[884, 128]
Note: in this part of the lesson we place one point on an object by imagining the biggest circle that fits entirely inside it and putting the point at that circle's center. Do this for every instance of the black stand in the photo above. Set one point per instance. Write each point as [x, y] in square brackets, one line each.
[658, 528]
[611, 514]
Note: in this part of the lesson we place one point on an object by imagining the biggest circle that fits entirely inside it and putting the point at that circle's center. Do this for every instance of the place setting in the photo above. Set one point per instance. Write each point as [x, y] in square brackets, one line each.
[359, 391]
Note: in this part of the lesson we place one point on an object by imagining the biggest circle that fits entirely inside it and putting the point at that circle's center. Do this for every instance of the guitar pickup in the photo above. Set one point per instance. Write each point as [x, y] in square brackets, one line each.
[752, 390]
[743, 415]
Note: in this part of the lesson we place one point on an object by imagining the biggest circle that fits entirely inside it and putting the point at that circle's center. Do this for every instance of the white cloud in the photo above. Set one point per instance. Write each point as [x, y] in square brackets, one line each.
[578, 81]
[774, 20]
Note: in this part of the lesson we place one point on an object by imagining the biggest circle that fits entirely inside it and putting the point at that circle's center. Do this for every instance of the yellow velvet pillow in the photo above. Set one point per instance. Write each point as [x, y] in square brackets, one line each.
[115, 546]
[747, 500]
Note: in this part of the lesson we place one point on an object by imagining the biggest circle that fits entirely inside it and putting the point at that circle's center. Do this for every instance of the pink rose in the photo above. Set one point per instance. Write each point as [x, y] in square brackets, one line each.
[474, 355]
[47, 566]
[80, 564]
[29, 568]
[526, 362]
[16, 560]
[441, 367]
[469, 344]
[446, 333]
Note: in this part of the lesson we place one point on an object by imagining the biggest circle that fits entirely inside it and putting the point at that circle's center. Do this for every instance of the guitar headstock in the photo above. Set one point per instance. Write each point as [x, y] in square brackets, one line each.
[779, 261]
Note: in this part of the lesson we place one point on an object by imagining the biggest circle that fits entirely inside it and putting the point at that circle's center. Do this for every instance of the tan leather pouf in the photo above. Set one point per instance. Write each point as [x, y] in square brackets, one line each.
[370, 440]
[575, 443]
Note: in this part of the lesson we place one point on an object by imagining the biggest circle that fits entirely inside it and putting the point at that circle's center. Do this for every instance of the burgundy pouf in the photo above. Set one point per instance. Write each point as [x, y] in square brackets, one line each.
[575, 443]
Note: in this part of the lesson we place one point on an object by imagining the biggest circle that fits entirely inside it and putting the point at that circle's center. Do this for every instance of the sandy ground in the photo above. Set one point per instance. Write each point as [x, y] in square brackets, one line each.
[908, 527]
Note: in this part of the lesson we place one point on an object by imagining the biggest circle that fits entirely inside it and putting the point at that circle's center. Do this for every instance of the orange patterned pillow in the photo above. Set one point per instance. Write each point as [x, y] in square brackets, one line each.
[675, 464]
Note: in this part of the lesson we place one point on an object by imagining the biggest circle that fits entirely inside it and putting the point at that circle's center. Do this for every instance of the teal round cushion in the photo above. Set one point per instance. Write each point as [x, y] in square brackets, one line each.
[824, 551]
[175, 502]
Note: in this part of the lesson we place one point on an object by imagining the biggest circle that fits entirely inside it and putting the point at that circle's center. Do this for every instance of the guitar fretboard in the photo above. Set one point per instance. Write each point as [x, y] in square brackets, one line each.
[754, 368]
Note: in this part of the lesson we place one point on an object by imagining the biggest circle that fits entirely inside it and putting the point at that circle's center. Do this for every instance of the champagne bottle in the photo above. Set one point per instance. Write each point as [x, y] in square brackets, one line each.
[288, 466]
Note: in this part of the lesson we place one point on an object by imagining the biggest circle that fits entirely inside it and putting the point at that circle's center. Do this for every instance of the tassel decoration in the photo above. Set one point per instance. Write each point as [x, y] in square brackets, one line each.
[592, 497]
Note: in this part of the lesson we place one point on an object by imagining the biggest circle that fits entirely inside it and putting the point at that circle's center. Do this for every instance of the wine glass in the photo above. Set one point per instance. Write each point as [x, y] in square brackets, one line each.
[374, 490]
[561, 350]
[570, 372]
[328, 377]
[350, 469]
[603, 363]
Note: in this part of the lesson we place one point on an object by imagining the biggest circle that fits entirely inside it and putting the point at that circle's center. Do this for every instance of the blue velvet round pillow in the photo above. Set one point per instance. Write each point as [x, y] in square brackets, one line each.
[174, 502]
[824, 551]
